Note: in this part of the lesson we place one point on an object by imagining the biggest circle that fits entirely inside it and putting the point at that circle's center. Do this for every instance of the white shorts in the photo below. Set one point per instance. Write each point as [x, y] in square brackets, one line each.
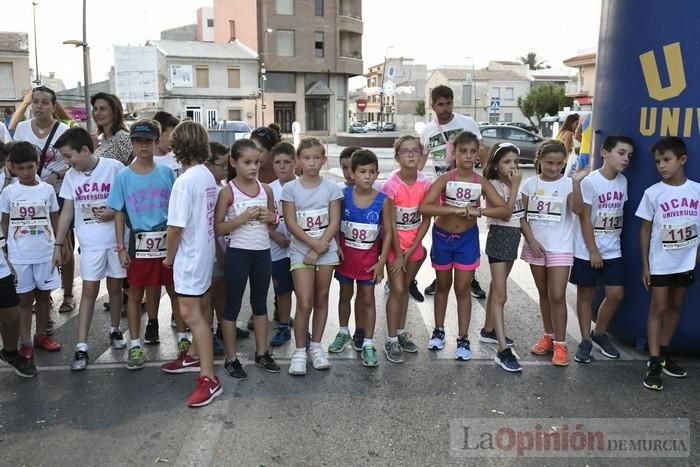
[95, 265]
[42, 276]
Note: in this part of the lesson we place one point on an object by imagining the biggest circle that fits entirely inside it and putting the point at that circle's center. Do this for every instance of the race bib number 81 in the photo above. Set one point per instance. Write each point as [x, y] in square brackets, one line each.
[545, 208]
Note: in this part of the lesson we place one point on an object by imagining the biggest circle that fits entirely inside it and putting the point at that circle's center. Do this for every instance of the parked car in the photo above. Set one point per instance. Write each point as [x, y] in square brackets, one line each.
[526, 141]
[357, 127]
[389, 126]
[240, 129]
[524, 126]
[372, 126]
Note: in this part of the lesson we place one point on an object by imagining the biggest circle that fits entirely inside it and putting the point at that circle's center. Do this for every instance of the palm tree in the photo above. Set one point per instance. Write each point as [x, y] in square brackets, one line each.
[533, 61]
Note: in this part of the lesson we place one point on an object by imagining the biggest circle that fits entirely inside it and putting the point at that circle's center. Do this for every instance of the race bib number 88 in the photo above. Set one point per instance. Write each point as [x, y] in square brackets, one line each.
[462, 194]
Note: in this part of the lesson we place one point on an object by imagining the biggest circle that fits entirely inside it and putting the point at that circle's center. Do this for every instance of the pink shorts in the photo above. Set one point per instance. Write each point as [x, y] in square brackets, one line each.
[418, 254]
[549, 260]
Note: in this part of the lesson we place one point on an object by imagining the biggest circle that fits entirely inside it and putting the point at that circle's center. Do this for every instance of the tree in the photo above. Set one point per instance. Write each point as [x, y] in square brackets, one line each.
[533, 61]
[420, 108]
[547, 99]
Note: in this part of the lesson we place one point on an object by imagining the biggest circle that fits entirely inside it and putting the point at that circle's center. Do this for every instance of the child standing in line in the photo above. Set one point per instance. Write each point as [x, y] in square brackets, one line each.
[669, 244]
[164, 152]
[283, 165]
[245, 213]
[548, 229]
[502, 173]
[456, 237]
[599, 200]
[364, 240]
[29, 220]
[311, 206]
[190, 251]
[407, 188]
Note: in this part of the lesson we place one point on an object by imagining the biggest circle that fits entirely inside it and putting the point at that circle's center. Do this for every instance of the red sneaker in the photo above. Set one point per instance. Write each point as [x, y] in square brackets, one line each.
[46, 342]
[184, 363]
[206, 391]
[25, 350]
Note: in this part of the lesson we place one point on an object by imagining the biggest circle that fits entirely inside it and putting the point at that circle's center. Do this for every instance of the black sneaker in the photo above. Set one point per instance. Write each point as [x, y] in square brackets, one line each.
[151, 337]
[671, 368]
[606, 347]
[24, 367]
[489, 337]
[266, 362]
[430, 290]
[240, 333]
[477, 291]
[235, 370]
[357, 339]
[652, 379]
[415, 293]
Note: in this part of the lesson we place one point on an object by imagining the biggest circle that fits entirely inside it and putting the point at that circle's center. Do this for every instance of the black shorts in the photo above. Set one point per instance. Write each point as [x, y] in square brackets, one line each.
[611, 274]
[8, 293]
[678, 279]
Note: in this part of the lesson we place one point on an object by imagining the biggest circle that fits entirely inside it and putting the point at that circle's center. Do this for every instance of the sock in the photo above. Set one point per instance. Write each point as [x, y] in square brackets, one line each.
[300, 350]
[393, 339]
[549, 335]
[315, 345]
[345, 330]
[153, 320]
[366, 342]
[113, 329]
[596, 333]
[440, 329]
[560, 342]
[400, 331]
[81, 346]
[181, 336]
[664, 351]
[653, 359]
[134, 343]
[284, 325]
[29, 343]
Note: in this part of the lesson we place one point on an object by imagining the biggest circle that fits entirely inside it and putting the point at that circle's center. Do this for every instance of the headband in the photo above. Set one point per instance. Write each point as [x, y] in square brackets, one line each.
[506, 145]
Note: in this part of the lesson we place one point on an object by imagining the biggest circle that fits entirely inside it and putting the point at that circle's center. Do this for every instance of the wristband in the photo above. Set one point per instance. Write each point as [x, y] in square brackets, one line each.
[481, 210]
[57, 244]
[120, 248]
[277, 220]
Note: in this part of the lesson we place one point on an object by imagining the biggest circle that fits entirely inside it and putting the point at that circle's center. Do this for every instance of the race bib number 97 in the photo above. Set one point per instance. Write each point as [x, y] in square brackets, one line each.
[545, 208]
[675, 237]
[151, 244]
[314, 222]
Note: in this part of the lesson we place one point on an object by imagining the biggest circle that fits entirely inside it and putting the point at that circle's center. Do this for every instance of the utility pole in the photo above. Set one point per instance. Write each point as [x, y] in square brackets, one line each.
[37, 80]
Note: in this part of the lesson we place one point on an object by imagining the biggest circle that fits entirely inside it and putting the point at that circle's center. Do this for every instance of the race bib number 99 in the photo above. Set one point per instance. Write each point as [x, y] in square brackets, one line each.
[89, 212]
[608, 223]
[407, 218]
[151, 244]
[314, 222]
[28, 213]
[359, 235]
[675, 237]
[545, 208]
[462, 194]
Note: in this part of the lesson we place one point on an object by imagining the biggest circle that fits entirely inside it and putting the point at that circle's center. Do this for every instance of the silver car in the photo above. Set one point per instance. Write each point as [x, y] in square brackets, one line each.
[526, 141]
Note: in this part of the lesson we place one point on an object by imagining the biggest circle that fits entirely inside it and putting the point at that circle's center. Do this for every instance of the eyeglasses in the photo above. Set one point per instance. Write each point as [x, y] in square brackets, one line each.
[410, 152]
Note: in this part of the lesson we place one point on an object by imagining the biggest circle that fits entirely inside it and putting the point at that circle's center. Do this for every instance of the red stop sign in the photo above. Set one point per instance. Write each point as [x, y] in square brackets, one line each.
[361, 104]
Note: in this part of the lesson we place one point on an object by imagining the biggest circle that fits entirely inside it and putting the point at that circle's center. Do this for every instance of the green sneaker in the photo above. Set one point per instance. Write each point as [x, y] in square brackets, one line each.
[369, 356]
[406, 343]
[339, 343]
[135, 361]
[393, 352]
[183, 346]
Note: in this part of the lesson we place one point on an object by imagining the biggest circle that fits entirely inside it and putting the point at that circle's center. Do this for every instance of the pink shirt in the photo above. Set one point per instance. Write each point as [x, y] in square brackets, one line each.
[407, 200]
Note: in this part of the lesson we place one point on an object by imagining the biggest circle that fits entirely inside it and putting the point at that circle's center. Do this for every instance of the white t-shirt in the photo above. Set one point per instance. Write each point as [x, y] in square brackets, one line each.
[191, 207]
[607, 200]
[518, 213]
[54, 160]
[548, 213]
[4, 268]
[5, 136]
[675, 217]
[30, 236]
[435, 137]
[168, 160]
[276, 252]
[88, 193]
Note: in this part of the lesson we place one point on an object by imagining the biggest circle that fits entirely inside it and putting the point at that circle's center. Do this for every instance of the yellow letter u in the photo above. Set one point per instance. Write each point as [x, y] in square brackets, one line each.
[674, 66]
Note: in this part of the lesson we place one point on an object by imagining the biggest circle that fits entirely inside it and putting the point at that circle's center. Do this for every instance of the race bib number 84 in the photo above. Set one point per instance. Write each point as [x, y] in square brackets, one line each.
[314, 222]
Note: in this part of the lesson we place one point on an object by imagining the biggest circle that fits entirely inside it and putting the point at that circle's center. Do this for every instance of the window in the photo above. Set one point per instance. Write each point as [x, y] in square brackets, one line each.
[234, 77]
[285, 43]
[496, 92]
[515, 134]
[210, 22]
[234, 114]
[280, 82]
[285, 7]
[466, 94]
[232, 29]
[489, 133]
[202, 76]
[316, 114]
[509, 94]
[508, 117]
[318, 44]
[7, 81]
[318, 8]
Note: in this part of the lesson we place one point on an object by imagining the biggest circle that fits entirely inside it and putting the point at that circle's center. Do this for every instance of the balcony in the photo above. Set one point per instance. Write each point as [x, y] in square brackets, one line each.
[349, 65]
[574, 89]
[351, 9]
[349, 24]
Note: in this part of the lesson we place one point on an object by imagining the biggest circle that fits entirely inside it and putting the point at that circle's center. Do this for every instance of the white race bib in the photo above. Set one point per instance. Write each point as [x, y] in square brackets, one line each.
[518, 210]
[545, 208]
[359, 235]
[675, 237]
[28, 213]
[89, 212]
[407, 218]
[2, 241]
[608, 223]
[462, 194]
[314, 222]
[241, 207]
[150, 244]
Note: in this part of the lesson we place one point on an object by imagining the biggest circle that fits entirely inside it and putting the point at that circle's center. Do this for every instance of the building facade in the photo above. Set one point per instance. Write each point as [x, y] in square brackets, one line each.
[582, 85]
[15, 77]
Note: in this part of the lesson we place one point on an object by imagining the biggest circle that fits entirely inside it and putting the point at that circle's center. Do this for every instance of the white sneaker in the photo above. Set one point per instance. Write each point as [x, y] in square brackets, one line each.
[297, 367]
[319, 359]
[437, 341]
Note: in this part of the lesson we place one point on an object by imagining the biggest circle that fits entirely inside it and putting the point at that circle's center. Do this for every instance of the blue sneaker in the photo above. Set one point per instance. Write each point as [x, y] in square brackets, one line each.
[437, 341]
[463, 352]
[508, 361]
[282, 334]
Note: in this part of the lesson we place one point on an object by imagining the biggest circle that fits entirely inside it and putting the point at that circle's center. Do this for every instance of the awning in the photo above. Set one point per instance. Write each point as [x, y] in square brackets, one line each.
[318, 89]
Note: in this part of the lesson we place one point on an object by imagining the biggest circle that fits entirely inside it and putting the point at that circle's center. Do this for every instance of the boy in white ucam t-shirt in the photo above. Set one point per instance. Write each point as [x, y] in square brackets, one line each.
[85, 190]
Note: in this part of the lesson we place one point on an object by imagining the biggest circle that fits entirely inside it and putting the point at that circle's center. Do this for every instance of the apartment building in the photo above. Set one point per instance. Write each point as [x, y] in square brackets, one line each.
[15, 76]
[582, 86]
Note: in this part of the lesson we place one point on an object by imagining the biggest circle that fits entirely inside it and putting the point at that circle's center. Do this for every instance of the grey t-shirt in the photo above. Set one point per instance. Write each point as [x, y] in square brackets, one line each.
[312, 207]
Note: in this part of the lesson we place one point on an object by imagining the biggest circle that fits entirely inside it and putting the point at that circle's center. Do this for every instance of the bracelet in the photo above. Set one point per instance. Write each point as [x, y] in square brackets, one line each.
[120, 248]
[481, 210]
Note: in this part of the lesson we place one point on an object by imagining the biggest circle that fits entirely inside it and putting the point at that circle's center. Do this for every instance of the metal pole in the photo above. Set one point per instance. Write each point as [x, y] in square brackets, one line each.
[381, 97]
[86, 70]
[262, 94]
[37, 80]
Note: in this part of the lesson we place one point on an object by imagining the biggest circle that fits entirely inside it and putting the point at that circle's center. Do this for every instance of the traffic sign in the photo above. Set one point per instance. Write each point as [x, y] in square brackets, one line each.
[361, 104]
[495, 105]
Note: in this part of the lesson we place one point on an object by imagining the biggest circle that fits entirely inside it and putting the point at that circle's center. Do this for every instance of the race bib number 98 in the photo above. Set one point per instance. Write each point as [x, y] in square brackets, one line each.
[545, 208]
[151, 244]
[314, 222]
[675, 237]
[359, 235]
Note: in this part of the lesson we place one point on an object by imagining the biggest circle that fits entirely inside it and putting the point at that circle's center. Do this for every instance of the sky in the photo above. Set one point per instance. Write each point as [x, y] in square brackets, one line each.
[433, 32]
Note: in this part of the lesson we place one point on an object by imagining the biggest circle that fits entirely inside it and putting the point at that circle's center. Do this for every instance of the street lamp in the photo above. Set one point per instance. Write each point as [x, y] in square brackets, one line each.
[86, 66]
[381, 91]
[263, 76]
[37, 80]
[472, 82]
